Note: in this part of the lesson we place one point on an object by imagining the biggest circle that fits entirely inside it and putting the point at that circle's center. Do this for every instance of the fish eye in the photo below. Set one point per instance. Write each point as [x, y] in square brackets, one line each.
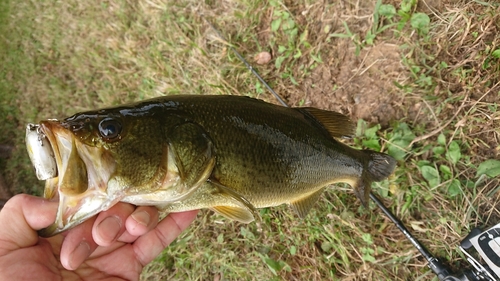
[110, 129]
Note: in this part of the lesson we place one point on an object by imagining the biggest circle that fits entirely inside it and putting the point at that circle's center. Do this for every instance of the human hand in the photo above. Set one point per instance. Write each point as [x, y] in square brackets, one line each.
[115, 244]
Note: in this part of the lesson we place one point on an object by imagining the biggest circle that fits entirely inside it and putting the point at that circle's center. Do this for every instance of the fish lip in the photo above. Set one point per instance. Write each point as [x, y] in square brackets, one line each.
[40, 152]
[47, 128]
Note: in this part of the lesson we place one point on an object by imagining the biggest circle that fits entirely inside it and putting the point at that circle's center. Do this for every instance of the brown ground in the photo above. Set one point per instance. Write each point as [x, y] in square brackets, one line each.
[364, 86]
[360, 86]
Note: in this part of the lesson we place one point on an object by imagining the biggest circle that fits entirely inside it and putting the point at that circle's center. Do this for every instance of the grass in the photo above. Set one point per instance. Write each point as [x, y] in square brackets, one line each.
[423, 77]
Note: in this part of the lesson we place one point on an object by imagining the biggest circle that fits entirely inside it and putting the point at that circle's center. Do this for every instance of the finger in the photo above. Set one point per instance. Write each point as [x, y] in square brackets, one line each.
[21, 216]
[142, 220]
[110, 224]
[150, 245]
[81, 241]
[78, 244]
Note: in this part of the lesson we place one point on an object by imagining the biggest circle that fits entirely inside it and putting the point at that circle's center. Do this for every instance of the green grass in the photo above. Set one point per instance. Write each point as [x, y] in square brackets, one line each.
[425, 79]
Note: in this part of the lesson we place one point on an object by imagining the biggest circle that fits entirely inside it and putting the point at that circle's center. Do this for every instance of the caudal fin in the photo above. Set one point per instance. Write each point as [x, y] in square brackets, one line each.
[378, 167]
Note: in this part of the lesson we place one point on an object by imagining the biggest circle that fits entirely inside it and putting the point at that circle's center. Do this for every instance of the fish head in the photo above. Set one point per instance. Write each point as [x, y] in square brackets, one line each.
[100, 159]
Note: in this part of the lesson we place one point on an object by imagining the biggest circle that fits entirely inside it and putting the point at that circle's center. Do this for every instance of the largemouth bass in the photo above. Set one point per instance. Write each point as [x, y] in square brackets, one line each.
[227, 153]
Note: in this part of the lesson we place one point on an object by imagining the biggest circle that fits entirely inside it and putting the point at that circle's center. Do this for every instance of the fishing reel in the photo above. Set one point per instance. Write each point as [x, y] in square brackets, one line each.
[486, 244]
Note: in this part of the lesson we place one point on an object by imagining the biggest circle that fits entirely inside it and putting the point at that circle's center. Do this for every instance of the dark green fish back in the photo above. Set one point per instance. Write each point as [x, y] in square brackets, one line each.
[266, 153]
[271, 154]
[230, 154]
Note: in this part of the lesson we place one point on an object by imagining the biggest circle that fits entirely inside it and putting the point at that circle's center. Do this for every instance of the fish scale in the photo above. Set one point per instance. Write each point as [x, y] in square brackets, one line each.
[227, 153]
[267, 148]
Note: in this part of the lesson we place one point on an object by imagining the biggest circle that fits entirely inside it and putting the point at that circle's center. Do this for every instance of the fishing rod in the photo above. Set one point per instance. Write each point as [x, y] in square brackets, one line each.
[486, 243]
[441, 271]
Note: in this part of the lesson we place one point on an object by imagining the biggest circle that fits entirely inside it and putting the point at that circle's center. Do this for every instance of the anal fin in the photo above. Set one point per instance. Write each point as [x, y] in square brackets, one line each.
[235, 213]
[303, 205]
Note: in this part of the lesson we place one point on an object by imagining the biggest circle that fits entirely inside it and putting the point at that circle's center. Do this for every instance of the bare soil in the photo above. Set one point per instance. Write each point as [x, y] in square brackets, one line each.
[360, 86]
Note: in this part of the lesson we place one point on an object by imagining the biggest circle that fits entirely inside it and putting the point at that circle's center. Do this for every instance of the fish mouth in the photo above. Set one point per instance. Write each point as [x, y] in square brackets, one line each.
[76, 174]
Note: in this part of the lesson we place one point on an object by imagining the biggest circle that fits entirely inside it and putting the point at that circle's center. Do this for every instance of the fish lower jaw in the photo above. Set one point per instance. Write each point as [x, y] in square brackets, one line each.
[73, 210]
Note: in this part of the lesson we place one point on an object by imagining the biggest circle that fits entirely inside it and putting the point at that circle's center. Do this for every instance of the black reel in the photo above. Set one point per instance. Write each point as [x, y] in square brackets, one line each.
[486, 244]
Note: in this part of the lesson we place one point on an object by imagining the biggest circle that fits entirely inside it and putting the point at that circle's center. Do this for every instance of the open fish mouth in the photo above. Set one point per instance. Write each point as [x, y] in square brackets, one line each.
[76, 174]
[83, 177]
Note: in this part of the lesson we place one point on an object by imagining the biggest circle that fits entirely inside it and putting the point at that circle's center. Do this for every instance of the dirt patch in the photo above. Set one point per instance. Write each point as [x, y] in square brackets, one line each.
[360, 86]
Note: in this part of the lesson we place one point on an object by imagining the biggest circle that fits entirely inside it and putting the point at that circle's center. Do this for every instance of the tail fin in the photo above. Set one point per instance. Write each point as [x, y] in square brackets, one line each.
[378, 167]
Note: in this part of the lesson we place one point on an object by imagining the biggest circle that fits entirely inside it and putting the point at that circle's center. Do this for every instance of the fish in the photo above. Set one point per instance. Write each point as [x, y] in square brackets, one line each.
[230, 154]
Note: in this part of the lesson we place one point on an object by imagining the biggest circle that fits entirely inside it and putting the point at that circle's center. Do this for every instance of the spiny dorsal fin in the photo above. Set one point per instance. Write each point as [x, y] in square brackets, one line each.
[303, 205]
[337, 124]
[235, 213]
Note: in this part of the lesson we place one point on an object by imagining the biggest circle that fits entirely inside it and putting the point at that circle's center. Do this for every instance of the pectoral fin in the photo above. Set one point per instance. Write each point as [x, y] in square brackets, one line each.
[247, 206]
[235, 213]
[303, 205]
[219, 198]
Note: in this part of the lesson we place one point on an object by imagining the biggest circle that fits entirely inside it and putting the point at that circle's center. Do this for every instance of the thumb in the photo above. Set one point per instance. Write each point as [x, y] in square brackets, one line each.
[21, 217]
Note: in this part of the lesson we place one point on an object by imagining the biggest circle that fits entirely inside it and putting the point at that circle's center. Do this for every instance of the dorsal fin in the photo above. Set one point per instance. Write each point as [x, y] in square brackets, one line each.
[337, 124]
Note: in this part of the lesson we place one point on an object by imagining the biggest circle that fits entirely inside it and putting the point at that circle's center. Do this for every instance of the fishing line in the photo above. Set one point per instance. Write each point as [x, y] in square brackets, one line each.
[250, 67]
[434, 264]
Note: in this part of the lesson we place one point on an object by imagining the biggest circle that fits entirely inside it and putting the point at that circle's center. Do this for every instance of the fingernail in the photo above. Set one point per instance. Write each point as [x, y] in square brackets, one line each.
[79, 255]
[109, 229]
[142, 217]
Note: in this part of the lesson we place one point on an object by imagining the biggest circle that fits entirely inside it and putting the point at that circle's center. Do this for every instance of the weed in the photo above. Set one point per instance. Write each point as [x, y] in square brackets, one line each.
[291, 48]
[386, 17]
[489, 167]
